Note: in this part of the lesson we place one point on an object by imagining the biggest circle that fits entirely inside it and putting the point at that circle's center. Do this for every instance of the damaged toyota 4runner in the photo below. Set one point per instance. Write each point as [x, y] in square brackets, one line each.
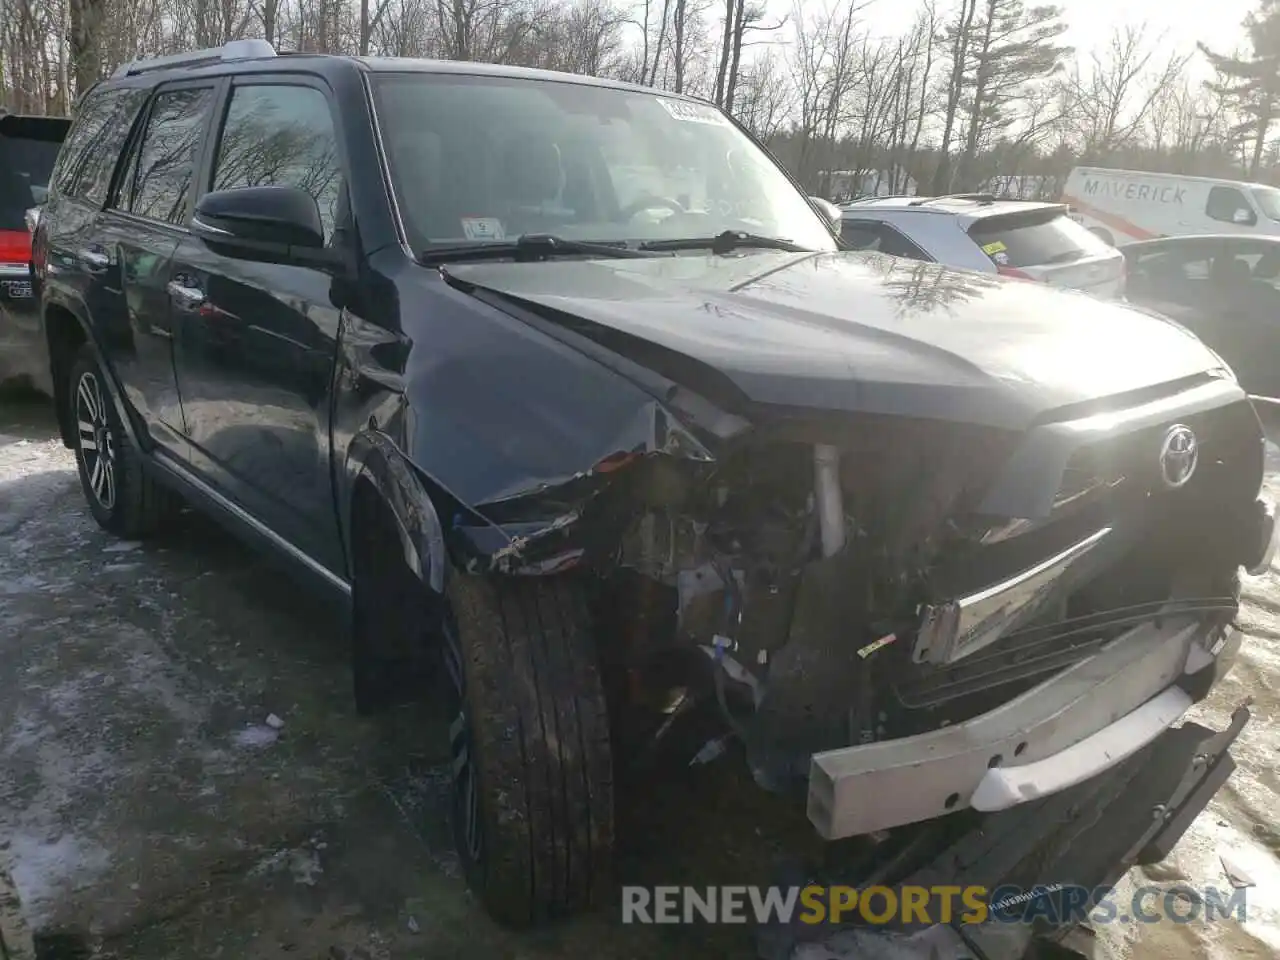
[568, 381]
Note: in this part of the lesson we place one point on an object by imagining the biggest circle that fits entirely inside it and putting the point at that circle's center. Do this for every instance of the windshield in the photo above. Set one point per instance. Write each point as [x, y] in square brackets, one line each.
[1268, 200]
[484, 159]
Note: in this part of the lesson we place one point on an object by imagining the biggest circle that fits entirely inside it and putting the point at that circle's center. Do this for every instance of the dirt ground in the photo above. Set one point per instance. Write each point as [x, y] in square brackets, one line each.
[147, 804]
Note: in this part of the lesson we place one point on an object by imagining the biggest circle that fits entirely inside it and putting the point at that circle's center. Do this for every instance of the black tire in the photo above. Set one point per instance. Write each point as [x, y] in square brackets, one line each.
[122, 498]
[532, 770]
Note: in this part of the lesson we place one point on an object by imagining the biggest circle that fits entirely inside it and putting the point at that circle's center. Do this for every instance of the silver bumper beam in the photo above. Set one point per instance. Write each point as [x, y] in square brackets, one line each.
[1072, 727]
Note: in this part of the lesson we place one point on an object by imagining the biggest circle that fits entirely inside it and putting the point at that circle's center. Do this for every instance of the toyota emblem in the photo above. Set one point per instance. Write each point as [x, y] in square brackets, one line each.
[1178, 456]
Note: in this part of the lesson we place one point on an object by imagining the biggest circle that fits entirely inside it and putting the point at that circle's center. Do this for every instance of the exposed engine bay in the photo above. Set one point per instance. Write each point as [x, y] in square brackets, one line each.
[790, 587]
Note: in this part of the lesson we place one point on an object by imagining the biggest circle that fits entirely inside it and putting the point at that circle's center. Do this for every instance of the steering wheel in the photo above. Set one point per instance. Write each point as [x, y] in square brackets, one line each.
[650, 202]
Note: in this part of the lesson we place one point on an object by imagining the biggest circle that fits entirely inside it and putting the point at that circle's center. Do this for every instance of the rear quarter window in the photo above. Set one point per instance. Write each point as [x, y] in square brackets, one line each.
[28, 151]
[1035, 239]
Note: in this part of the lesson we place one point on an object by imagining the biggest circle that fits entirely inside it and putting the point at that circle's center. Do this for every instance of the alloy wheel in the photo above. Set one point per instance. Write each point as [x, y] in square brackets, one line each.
[96, 440]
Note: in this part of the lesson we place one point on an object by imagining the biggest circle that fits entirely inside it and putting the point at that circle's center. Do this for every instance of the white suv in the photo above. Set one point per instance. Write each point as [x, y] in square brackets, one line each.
[1017, 238]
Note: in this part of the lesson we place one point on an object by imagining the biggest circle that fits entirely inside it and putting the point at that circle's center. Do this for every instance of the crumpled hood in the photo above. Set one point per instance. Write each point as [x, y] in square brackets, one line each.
[858, 332]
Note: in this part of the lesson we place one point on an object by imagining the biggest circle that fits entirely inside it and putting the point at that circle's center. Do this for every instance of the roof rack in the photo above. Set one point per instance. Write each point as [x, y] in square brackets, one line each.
[234, 50]
[977, 197]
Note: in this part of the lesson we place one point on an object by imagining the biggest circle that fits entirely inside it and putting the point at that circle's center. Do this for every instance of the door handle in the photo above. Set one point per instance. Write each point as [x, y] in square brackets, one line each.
[96, 260]
[185, 294]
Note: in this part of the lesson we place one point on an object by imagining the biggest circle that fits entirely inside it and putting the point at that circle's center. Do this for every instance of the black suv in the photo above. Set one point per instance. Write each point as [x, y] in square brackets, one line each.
[566, 382]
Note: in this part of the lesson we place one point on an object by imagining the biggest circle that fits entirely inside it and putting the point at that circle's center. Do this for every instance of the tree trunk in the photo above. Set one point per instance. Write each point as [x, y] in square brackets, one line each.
[735, 59]
[1260, 141]
[959, 60]
[722, 70]
[981, 79]
[85, 42]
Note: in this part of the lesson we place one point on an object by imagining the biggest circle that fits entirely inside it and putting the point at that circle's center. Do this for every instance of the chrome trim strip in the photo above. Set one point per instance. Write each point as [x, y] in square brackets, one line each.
[197, 222]
[15, 271]
[171, 463]
[957, 628]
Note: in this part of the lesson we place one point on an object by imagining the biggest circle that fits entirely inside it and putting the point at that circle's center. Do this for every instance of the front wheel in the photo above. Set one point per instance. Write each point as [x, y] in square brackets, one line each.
[532, 774]
[121, 497]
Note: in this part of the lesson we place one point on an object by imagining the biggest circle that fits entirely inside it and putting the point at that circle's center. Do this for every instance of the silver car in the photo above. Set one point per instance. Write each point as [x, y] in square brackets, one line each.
[1028, 239]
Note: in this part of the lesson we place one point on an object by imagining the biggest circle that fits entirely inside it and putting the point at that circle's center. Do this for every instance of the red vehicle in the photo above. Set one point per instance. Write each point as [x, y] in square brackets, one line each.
[28, 150]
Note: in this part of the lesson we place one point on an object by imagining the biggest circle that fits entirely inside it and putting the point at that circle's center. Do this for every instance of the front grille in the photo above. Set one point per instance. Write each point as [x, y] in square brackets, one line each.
[1114, 483]
[1168, 543]
[1230, 459]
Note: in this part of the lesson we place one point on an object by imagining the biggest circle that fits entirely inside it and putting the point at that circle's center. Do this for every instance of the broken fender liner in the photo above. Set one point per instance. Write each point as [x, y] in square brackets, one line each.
[1087, 836]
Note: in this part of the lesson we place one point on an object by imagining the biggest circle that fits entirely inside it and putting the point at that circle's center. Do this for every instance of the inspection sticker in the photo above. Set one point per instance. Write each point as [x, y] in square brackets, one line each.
[994, 247]
[875, 645]
[693, 112]
[483, 228]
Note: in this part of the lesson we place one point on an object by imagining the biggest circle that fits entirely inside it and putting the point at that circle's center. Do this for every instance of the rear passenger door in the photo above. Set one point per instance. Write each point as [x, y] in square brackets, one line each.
[257, 342]
[145, 219]
[72, 246]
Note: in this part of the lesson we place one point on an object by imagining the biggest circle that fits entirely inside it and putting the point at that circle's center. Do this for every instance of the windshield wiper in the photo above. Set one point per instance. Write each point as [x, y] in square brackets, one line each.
[725, 242]
[529, 246]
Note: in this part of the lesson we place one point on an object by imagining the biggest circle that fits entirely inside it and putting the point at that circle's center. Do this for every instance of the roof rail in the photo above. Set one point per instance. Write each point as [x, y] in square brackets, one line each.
[233, 50]
[977, 197]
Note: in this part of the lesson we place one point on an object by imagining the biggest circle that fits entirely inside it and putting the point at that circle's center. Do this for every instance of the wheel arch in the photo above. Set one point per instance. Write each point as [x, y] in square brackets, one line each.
[66, 330]
[376, 475]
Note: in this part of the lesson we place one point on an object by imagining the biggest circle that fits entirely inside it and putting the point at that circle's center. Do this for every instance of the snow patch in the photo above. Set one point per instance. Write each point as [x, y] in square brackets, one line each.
[256, 735]
[46, 871]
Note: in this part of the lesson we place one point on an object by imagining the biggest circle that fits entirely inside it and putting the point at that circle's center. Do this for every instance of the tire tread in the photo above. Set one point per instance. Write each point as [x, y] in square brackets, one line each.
[549, 839]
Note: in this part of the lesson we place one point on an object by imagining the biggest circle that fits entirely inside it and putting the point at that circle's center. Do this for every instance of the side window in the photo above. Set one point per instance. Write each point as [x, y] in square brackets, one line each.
[860, 234]
[279, 135]
[158, 181]
[93, 144]
[896, 245]
[871, 235]
[1228, 205]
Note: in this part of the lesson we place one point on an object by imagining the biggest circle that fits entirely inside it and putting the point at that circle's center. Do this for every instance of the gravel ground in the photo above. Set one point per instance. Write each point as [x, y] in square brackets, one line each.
[181, 772]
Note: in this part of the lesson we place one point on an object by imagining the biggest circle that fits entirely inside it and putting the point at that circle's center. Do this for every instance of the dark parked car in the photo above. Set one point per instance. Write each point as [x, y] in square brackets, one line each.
[28, 149]
[566, 381]
[1225, 289]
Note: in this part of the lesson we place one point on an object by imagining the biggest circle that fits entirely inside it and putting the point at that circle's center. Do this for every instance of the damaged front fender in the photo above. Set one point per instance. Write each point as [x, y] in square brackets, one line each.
[513, 431]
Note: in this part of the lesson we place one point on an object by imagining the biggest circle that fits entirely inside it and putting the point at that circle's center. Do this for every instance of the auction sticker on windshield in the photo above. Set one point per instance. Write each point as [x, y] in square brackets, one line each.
[693, 112]
[483, 228]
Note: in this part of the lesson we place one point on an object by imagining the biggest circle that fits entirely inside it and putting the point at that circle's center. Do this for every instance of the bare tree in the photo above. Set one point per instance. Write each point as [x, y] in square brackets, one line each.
[1114, 93]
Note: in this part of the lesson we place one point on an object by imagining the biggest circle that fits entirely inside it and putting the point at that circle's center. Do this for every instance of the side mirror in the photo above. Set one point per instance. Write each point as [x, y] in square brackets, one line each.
[827, 209]
[261, 223]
